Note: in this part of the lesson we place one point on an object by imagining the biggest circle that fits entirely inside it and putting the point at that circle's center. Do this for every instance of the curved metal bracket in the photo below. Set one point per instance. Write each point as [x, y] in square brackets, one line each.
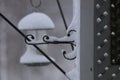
[53, 40]
[45, 41]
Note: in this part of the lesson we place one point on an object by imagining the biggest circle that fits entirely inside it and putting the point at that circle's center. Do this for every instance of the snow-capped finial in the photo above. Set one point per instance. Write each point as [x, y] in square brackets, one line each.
[36, 21]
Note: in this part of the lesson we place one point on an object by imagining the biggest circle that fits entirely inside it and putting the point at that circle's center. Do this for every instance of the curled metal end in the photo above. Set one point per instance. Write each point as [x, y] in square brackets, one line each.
[46, 38]
[64, 54]
[29, 38]
[69, 32]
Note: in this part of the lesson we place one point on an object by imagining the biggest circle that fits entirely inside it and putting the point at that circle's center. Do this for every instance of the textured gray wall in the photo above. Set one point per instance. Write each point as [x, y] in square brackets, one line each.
[12, 45]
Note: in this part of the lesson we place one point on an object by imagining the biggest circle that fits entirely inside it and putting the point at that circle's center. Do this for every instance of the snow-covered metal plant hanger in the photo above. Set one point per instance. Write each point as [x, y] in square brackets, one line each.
[36, 25]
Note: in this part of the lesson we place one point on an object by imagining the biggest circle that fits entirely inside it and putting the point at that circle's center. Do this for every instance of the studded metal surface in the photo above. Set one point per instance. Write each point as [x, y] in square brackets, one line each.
[115, 32]
[103, 47]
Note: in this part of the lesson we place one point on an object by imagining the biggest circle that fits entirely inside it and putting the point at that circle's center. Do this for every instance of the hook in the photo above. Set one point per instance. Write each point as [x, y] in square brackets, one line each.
[34, 5]
[71, 55]
[64, 54]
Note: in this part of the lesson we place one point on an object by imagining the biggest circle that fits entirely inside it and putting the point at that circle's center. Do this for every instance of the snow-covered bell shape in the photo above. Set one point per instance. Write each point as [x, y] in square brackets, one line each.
[36, 21]
[32, 58]
[32, 23]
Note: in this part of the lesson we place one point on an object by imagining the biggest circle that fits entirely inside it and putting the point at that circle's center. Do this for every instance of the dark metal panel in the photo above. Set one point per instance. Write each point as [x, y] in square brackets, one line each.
[103, 69]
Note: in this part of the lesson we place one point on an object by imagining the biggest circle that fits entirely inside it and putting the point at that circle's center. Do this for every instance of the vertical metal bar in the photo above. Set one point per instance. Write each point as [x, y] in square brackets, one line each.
[61, 12]
[13, 26]
[63, 17]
